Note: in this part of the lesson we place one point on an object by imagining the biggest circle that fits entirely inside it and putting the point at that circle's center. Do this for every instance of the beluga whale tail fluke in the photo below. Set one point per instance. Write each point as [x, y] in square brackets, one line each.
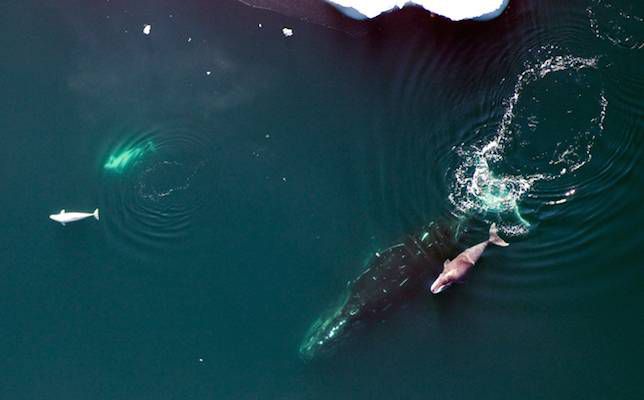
[494, 236]
[456, 269]
[65, 217]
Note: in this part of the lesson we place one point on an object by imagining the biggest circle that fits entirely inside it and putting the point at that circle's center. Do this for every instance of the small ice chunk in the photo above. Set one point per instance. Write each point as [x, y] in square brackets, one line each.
[208, 73]
[201, 360]
[287, 32]
[189, 39]
[267, 136]
[260, 26]
[147, 28]
[283, 179]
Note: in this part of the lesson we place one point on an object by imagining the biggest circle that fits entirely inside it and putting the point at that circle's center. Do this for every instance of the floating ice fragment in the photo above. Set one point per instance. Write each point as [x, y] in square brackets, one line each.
[208, 73]
[260, 26]
[146, 29]
[189, 39]
[287, 32]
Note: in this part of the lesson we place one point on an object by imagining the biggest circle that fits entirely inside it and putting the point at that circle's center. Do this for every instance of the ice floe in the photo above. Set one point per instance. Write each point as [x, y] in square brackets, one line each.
[455, 10]
[147, 29]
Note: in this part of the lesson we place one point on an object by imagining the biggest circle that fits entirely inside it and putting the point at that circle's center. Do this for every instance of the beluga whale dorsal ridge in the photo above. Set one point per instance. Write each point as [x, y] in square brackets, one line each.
[456, 269]
[65, 217]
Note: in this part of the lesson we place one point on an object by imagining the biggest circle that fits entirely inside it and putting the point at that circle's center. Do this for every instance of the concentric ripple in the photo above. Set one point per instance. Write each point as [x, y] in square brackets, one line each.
[496, 175]
[150, 187]
[620, 24]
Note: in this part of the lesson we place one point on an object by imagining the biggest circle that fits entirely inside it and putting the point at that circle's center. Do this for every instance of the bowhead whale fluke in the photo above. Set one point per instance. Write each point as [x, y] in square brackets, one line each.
[392, 276]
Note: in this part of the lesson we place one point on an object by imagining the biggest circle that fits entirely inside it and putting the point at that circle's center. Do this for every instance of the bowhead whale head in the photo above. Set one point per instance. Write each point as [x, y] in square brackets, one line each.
[327, 332]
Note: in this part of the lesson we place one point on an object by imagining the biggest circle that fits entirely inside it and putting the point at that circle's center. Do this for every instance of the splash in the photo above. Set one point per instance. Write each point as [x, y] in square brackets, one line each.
[621, 25]
[494, 149]
[480, 187]
[120, 160]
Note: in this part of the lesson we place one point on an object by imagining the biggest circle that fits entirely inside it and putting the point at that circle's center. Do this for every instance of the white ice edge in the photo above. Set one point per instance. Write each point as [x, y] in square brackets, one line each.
[456, 10]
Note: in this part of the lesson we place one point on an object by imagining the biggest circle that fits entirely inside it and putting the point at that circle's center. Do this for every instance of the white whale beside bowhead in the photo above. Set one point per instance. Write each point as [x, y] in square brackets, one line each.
[66, 217]
[456, 269]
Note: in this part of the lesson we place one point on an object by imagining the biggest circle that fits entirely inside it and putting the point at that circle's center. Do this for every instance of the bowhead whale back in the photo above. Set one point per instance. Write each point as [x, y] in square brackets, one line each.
[391, 278]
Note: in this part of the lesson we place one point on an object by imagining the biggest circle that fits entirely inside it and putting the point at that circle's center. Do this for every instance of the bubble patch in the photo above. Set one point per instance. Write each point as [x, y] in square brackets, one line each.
[486, 182]
[153, 196]
[622, 27]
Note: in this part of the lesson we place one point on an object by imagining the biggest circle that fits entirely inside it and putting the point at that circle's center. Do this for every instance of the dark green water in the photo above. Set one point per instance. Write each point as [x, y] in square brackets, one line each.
[253, 193]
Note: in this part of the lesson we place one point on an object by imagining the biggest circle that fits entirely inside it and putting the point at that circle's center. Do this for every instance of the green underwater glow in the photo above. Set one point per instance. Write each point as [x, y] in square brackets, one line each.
[520, 217]
[120, 160]
[500, 195]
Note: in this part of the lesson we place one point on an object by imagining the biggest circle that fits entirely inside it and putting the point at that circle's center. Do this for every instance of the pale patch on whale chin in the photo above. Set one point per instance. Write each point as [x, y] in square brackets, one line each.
[325, 332]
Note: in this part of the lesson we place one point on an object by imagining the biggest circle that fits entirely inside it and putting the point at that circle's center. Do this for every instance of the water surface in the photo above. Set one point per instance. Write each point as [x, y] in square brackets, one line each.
[244, 177]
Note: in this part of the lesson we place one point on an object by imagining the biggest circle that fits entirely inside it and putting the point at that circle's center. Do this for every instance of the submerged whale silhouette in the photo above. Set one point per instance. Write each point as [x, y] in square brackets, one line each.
[391, 278]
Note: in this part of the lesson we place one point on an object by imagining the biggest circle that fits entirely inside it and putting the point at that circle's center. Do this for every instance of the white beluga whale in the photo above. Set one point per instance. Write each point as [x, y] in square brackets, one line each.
[66, 217]
[456, 269]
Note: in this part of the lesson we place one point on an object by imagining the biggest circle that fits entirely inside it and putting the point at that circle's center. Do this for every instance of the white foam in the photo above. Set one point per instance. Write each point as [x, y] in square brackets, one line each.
[476, 188]
[455, 10]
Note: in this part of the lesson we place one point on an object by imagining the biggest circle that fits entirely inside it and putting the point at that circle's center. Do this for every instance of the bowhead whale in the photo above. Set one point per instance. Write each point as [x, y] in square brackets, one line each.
[392, 277]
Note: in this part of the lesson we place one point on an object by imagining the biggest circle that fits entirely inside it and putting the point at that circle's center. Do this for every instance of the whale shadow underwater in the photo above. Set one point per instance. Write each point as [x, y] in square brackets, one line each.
[392, 277]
